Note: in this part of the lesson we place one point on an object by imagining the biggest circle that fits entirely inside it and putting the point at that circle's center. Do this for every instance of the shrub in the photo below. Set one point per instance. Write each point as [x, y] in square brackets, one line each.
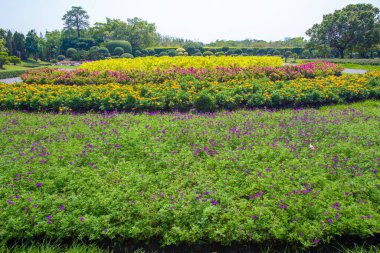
[238, 51]
[126, 55]
[14, 60]
[163, 54]
[71, 52]
[287, 55]
[205, 102]
[198, 54]
[207, 53]
[103, 52]
[118, 51]
[172, 52]
[138, 53]
[11, 73]
[112, 44]
[60, 57]
[219, 54]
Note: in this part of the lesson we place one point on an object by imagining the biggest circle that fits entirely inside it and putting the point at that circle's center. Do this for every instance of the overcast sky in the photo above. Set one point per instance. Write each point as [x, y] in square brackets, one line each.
[201, 20]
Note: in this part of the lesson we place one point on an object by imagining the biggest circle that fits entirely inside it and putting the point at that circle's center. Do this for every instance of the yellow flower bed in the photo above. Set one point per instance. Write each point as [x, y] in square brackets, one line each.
[184, 95]
[166, 62]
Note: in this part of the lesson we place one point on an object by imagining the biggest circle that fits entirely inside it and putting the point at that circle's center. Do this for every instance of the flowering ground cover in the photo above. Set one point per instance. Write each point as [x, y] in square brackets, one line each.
[166, 62]
[297, 175]
[157, 76]
[191, 93]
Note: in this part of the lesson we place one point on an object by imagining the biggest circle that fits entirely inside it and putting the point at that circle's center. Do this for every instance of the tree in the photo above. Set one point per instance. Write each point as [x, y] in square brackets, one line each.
[355, 26]
[19, 46]
[140, 33]
[4, 59]
[53, 44]
[14, 60]
[9, 41]
[76, 18]
[31, 44]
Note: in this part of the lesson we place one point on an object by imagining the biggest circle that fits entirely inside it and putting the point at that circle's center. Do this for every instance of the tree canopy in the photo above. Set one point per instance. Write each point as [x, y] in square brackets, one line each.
[76, 18]
[354, 27]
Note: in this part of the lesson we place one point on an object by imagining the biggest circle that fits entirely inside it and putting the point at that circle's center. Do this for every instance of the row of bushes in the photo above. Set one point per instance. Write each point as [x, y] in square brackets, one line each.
[220, 74]
[375, 61]
[11, 73]
[191, 93]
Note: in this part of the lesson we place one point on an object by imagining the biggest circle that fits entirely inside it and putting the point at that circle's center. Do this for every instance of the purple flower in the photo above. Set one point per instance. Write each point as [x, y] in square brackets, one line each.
[214, 203]
[117, 146]
[316, 241]
[39, 184]
[62, 208]
[368, 216]
[196, 152]
[81, 219]
[48, 217]
[330, 221]
[254, 216]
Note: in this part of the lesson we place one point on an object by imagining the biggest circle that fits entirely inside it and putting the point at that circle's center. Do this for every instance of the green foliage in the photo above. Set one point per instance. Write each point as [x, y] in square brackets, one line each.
[103, 52]
[60, 57]
[356, 26]
[118, 51]
[77, 19]
[71, 52]
[172, 52]
[299, 176]
[113, 44]
[32, 44]
[126, 55]
[4, 59]
[197, 54]
[14, 59]
[207, 53]
[10, 73]
[164, 53]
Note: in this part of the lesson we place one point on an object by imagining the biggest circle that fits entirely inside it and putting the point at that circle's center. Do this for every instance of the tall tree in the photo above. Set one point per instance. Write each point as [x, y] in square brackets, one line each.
[140, 33]
[355, 26]
[9, 41]
[53, 44]
[3, 48]
[19, 45]
[76, 18]
[32, 44]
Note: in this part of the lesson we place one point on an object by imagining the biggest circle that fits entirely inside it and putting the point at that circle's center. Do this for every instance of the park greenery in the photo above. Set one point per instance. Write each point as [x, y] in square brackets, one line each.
[161, 144]
[352, 32]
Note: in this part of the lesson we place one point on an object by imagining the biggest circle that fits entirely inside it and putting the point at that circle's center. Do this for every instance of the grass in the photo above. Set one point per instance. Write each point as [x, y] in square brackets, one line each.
[301, 176]
[363, 67]
[54, 247]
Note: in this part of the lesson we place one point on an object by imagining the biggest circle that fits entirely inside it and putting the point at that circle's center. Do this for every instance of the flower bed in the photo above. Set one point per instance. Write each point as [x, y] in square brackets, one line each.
[298, 176]
[220, 74]
[191, 93]
[166, 62]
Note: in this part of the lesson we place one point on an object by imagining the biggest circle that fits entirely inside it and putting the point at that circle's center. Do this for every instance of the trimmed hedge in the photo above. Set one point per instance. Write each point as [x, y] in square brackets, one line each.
[11, 73]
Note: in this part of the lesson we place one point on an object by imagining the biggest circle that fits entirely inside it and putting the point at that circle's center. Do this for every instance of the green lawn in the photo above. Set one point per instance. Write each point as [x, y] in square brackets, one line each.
[364, 67]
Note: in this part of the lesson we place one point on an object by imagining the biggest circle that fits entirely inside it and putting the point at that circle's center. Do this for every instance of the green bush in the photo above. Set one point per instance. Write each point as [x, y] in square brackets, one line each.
[11, 73]
[198, 54]
[207, 53]
[118, 51]
[60, 57]
[127, 55]
[205, 102]
[14, 60]
[4, 59]
[219, 53]
[172, 52]
[71, 52]
[112, 44]
[103, 52]
[164, 53]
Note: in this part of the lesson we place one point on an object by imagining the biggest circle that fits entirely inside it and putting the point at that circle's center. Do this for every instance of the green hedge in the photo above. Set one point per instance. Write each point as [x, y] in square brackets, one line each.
[11, 73]
[350, 61]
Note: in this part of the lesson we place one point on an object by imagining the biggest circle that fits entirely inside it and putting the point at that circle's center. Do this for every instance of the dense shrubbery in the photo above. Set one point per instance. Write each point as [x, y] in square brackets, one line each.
[113, 44]
[300, 176]
[220, 74]
[11, 73]
[190, 93]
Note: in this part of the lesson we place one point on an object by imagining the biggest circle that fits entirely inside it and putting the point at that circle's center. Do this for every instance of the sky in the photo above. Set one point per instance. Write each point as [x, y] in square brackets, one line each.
[199, 20]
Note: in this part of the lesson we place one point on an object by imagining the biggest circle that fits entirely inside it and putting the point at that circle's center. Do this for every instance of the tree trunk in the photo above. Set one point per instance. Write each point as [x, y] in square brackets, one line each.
[78, 32]
[341, 53]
